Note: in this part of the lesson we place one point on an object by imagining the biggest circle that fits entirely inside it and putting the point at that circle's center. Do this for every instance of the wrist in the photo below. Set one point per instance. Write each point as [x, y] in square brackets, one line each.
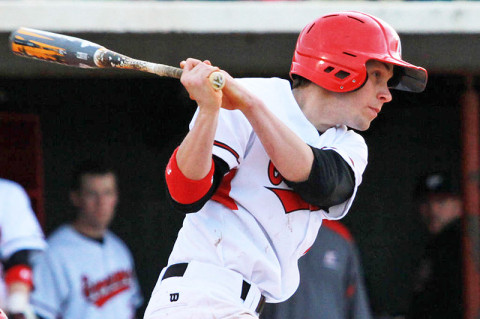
[17, 302]
[250, 105]
[208, 112]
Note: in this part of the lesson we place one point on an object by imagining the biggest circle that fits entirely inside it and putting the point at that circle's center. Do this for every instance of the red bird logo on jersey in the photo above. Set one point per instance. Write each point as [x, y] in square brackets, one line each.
[101, 291]
[290, 200]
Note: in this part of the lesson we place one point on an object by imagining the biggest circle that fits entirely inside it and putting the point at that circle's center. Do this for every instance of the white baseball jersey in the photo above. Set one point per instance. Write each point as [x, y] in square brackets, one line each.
[255, 224]
[19, 228]
[79, 277]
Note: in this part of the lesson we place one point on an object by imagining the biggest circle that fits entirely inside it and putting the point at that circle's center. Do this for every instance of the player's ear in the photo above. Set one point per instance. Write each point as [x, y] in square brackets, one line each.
[75, 198]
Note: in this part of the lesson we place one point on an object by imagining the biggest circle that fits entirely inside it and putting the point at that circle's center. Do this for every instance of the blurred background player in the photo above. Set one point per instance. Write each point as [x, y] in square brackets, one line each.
[87, 271]
[437, 291]
[265, 162]
[331, 280]
[21, 237]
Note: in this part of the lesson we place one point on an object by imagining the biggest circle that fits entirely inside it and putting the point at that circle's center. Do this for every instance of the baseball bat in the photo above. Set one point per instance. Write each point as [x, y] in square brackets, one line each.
[76, 52]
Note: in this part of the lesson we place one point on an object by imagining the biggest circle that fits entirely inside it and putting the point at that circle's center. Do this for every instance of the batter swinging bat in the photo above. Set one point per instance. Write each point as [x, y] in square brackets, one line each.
[71, 51]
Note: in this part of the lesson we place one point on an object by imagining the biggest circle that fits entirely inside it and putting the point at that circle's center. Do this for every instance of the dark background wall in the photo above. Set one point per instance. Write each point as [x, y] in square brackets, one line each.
[136, 122]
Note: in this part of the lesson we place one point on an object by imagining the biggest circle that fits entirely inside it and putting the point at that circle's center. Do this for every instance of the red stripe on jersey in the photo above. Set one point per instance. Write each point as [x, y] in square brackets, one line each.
[350, 291]
[339, 228]
[228, 148]
[101, 301]
[183, 189]
[222, 195]
[291, 201]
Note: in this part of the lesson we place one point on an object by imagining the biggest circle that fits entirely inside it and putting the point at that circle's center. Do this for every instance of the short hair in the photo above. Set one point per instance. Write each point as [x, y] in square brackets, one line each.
[299, 81]
[92, 167]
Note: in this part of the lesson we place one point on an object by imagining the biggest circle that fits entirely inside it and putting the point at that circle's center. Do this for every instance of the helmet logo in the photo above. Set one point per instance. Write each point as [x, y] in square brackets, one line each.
[399, 49]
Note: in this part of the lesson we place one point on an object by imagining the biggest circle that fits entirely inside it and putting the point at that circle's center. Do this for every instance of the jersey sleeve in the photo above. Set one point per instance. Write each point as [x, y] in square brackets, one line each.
[50, 286]
[19, 226]
[232, 136]
[353, 149]
[230, 146]
[220, 169]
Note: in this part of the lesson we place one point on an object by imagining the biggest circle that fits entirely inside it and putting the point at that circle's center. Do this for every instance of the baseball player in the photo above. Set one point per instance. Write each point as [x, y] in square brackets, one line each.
[264, 163]
[438, 278]
[21, 237]
[87, 271]
[331, 280]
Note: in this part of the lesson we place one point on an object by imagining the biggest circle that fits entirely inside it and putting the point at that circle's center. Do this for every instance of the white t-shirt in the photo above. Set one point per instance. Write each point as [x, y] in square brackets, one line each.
[255, 224]
[19, 227]
[79, 277]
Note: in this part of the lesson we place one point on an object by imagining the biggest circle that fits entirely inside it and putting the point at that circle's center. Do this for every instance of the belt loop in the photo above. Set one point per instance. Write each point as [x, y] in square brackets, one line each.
[175, 270]
[245, 290]
[261, 304]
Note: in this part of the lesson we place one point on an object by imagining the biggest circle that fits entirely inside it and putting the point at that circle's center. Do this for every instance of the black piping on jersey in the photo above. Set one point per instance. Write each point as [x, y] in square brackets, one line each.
[331, 180]
[227, 148]
[21, 257]
[220, 169]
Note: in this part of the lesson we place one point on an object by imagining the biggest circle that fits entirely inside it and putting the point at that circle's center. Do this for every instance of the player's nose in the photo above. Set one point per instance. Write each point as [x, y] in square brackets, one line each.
[384, 95]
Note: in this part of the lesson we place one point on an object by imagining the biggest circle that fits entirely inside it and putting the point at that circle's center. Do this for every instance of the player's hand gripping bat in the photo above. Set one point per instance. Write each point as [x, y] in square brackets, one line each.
[71, 51]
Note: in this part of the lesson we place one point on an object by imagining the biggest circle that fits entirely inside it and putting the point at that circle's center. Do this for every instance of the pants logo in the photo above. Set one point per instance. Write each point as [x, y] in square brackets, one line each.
[174, 297]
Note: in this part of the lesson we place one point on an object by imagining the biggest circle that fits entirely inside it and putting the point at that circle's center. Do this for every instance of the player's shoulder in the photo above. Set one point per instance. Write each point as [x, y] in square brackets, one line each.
[9, 187]
[265, 84]
[346, 138]
[64, 235]
[6, 183]
[115, 240]
[110, 235]
[338, 228]
[344, 131]
[276, 93]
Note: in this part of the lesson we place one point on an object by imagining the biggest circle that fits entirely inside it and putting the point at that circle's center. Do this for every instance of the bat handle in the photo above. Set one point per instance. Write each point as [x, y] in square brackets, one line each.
[216, 78]
[108, 58]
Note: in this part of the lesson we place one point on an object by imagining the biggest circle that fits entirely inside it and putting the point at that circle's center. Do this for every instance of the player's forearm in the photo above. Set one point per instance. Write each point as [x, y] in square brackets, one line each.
[18, 302]
[291, 156]
[194, 156]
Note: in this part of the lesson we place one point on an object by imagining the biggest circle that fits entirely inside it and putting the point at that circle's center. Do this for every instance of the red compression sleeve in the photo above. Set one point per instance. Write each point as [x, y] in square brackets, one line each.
[185, 190]
[19, 273]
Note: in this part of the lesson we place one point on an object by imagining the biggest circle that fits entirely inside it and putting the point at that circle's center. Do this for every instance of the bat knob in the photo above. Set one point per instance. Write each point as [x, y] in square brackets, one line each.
[217, 80]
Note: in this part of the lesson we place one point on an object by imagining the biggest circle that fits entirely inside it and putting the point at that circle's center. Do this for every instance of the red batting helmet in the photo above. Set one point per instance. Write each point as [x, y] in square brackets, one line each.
[333, 50]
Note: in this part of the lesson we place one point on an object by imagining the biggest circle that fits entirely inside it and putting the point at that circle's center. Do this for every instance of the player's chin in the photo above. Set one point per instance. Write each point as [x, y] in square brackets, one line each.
[362, 125]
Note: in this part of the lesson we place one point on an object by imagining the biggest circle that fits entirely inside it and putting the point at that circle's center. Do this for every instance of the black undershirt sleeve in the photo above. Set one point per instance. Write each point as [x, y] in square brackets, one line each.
[221, 168]
[331, 180]
[21, 257]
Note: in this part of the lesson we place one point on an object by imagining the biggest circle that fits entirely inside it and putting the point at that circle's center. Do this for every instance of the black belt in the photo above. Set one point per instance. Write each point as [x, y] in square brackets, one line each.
[178, 270]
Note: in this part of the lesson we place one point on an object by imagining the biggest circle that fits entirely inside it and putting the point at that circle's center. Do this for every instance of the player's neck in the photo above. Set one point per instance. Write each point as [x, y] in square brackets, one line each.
[312, 100]
[88, 230]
